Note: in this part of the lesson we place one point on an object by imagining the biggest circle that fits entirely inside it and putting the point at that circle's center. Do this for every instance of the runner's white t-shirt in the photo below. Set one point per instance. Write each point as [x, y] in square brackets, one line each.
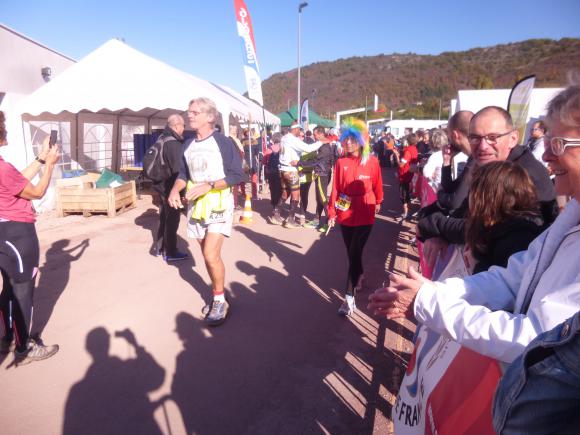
[204, 160]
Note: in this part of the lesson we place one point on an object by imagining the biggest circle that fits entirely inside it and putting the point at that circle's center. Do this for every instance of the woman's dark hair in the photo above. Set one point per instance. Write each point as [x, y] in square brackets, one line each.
[2, 127]
[498, 191]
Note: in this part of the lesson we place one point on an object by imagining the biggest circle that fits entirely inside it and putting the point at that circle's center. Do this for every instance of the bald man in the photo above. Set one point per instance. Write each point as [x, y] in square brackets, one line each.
[166, 242]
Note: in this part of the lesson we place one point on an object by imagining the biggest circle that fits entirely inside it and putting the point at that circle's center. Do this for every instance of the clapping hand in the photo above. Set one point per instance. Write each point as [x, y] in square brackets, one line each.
[397, 300]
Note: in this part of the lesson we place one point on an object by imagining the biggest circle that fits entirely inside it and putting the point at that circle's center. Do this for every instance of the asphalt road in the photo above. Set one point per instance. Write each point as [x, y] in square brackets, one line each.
[283, 363]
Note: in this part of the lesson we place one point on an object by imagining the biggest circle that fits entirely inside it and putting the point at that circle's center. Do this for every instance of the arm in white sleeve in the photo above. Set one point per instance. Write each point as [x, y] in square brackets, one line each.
[474, 311]
[303, 147]
[497, 334]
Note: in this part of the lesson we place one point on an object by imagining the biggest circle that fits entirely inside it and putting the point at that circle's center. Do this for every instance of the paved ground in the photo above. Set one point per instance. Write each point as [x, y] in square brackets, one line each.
[283, 363]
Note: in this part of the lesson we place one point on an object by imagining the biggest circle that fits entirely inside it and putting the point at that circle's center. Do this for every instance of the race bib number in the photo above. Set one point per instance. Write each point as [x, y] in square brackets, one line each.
[216, 216]
[343, 202]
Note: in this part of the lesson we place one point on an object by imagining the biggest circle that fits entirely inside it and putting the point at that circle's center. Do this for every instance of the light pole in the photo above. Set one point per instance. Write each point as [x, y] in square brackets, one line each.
[300, 7]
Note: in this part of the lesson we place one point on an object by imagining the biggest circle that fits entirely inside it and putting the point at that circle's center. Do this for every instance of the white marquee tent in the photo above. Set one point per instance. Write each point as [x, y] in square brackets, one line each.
[98, 104]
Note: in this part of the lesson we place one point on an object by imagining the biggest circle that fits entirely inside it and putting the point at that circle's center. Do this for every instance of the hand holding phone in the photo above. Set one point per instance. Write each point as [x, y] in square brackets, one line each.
[53, 137]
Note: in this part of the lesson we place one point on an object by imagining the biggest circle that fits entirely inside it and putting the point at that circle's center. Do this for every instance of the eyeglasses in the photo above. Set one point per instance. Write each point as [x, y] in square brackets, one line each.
[491, 138]
[193, 112]
[559, 144]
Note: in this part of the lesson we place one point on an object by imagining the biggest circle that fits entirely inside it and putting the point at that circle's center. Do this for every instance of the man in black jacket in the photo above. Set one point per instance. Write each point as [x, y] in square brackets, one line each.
[166, 242]
[492, 137]
[322, 168]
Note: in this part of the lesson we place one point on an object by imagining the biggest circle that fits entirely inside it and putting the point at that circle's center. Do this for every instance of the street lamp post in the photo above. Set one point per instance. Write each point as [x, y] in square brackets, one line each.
[300, 7]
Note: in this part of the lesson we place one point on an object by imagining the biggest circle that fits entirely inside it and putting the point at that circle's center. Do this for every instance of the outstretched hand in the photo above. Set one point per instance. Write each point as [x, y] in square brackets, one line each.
[397, 300]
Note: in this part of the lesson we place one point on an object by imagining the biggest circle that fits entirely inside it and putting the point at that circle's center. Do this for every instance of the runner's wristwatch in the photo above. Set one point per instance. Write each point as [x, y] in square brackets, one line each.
[211, 184]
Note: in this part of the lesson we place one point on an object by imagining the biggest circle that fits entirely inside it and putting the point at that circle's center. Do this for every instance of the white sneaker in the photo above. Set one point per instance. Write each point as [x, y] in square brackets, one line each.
[348, 306]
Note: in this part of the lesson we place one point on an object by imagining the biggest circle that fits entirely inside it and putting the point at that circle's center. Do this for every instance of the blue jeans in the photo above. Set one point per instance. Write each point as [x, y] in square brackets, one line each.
[540, 391]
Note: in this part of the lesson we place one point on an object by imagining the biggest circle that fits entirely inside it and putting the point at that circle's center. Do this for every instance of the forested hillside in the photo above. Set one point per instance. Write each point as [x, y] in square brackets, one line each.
[413, 85]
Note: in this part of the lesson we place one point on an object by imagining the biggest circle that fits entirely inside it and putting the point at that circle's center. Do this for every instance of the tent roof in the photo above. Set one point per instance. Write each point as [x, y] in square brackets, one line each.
[116, 78]
[289, 116]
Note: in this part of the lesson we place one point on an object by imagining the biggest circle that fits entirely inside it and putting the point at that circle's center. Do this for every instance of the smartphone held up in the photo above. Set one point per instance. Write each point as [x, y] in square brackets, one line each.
[53, 137]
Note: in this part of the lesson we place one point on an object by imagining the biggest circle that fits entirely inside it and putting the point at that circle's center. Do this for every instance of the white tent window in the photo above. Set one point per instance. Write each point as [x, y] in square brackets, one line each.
[97, 150]
[40, 130]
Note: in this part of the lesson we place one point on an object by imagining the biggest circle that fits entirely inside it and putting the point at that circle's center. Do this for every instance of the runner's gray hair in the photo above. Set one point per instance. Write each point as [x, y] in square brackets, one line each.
[208, 106]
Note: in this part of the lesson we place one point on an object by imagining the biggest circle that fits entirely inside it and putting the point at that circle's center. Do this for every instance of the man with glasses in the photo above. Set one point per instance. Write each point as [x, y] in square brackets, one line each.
[492, 137]
[536, 140]
[211, 164]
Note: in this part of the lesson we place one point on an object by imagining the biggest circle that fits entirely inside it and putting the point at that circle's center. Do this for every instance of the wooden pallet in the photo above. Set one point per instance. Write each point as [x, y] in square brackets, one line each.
[79, 195]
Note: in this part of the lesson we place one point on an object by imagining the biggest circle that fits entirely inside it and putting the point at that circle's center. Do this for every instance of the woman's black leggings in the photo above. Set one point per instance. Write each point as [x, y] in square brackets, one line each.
[19, 256]
[355, 239]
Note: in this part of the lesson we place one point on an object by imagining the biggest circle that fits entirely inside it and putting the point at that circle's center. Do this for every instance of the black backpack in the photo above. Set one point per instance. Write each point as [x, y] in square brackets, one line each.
[154, 165]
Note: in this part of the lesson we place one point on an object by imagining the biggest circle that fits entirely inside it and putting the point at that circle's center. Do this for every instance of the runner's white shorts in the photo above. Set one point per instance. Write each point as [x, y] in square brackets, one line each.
[198, 229]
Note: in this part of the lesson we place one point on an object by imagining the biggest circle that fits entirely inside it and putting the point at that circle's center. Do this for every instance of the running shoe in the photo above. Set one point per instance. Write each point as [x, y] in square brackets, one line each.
[323, 228]
[291, 224]
[35, 352]
[178, 256]
[275, 219]
[348, 306]
[314, 223]
[218, 313]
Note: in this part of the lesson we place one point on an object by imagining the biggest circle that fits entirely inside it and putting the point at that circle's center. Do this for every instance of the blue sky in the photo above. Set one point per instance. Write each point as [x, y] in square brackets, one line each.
[200, 36]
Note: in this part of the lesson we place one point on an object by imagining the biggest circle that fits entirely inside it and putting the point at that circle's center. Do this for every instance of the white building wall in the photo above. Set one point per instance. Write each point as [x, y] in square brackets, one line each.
[23, 60]
[20, 75]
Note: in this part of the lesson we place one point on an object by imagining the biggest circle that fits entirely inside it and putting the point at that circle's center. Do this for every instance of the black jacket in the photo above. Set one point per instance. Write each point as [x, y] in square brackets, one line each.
[507, 238]
[450, 224]
[454, 192]
[323, 163]
[172, 154]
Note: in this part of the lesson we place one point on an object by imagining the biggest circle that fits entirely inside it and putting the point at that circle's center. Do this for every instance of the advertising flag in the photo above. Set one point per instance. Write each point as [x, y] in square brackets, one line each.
[304, 119]
[519, 103]
[251, 70]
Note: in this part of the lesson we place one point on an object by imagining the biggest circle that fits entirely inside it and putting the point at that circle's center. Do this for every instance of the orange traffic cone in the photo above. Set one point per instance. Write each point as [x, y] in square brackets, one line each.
[246, 217]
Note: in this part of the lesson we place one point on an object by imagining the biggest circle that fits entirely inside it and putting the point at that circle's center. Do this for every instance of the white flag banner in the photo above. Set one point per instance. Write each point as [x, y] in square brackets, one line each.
[304, 118]
[519, 103]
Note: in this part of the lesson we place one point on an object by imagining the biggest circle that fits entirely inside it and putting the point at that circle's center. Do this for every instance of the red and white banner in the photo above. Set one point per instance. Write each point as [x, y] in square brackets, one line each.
[251, 70]
[447, 388]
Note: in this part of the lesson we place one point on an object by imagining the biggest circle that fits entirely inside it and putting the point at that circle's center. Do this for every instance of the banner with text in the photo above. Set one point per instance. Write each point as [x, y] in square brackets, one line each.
[251, 69]
[447, 388]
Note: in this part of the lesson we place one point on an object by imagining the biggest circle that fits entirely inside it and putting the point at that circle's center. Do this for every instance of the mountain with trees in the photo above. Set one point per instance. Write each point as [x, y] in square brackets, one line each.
[419, 86]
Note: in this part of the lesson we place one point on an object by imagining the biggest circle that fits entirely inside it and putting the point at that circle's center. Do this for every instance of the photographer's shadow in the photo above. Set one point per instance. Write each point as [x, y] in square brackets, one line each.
[112, 397]
[53, 279]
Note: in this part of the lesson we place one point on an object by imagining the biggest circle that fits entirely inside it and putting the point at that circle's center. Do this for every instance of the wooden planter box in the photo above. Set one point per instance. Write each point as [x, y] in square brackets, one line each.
[79, 195]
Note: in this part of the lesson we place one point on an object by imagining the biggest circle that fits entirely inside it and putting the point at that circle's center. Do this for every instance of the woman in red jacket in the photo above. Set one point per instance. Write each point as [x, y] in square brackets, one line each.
[356, 197]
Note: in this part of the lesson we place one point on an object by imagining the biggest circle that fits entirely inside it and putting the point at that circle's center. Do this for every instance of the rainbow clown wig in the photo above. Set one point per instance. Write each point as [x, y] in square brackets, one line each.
[357, 129]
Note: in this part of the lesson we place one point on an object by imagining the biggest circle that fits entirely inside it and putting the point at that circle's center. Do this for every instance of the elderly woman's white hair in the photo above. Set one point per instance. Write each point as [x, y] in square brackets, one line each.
[565, 107]
[439, 139]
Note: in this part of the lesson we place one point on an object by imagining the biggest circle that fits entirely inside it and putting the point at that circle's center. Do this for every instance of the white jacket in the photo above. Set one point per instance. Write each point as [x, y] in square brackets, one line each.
[291, 148]
[487, 312]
